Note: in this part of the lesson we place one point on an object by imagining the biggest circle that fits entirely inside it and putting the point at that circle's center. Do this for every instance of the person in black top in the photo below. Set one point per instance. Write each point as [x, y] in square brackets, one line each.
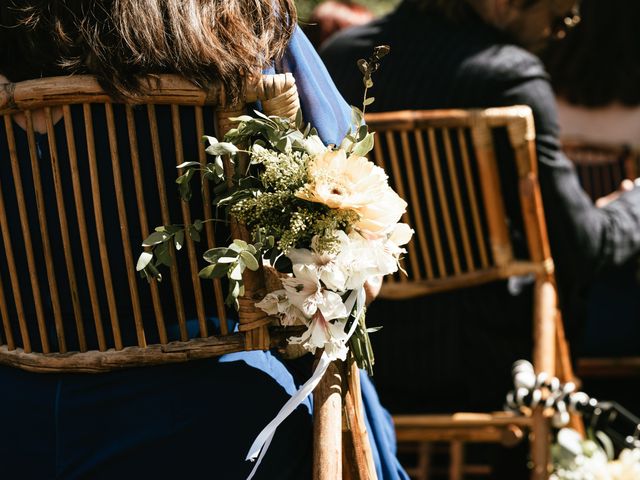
[458, 347]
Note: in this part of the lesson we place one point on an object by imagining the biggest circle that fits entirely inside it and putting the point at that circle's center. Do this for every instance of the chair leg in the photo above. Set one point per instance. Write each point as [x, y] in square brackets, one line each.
[424, 461]
[544, 327]
[358, 457]
[565, 370]
[456, 460]
[327, 426]
[540, 438]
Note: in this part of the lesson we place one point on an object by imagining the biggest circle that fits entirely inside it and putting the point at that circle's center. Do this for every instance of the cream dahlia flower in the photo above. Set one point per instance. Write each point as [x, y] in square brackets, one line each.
[354, 183]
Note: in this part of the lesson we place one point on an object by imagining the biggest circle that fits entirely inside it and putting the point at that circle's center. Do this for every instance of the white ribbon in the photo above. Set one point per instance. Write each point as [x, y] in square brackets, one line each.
[263, 440]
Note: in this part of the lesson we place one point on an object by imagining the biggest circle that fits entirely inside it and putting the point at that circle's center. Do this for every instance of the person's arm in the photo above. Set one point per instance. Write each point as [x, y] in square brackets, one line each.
[322, 104]
[584, 238]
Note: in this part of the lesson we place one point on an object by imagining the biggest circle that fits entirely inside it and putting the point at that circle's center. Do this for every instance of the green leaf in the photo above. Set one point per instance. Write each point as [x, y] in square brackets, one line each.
[188, 164]
[236, 272]
[179, 239]
[197, 224]
[365, 146]
[249, 260]
[381, 51]
[240, 243]
[155, 238]
[194, 234]
[163, 254]
[283, 264]
[369, 101]
[299, 120]
[218, 270]
[357, 117]
[222, 148]
[212, 255]
[143, 260]
[227, 259]
[151, 272]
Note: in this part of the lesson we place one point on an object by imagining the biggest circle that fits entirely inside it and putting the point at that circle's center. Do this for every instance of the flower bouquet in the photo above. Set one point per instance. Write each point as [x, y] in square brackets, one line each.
[323, 217]
[323, 220]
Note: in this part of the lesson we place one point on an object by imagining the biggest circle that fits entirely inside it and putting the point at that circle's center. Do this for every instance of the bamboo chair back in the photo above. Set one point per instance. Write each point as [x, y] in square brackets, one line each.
[444, 164]
[108, 170]
[601, 168]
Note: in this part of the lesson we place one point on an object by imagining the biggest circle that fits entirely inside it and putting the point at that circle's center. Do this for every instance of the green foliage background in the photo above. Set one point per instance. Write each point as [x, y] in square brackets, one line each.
[379, 7]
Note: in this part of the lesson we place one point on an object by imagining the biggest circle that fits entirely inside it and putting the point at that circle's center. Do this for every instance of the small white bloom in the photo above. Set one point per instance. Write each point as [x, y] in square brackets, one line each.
[277, 303]
[325, 334]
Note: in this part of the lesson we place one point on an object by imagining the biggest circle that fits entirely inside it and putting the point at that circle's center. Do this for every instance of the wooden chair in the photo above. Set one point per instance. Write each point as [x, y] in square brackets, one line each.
[98, 148]
[444, 164]
[602, 168]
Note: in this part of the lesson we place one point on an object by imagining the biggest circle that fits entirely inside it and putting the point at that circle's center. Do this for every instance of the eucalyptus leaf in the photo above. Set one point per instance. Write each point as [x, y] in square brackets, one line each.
[236, 272]
[179, 239]
[155, 238]
[365, 146]
[249, 260]
[218, 270]
[143, 260]
[188, 164]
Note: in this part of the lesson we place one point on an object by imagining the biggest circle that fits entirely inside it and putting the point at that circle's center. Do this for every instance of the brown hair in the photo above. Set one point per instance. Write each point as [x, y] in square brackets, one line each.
[121, 41]
[599, 60]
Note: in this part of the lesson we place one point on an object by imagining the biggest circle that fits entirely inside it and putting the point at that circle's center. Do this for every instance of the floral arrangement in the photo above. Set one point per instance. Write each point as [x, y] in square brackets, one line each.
[575, 458]
[323, 217]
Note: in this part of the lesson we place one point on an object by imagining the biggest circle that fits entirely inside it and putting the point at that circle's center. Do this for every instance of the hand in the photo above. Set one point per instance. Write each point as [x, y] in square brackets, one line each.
[625, 186]
[372, 288]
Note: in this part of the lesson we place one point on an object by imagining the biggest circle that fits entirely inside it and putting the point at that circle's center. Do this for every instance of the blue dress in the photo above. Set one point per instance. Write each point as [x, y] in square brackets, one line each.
[194, 420]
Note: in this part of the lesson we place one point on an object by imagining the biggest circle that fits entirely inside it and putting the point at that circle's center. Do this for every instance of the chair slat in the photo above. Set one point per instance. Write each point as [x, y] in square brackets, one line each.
[6, 325]
[416, 211]
[26, 233]
[444, 204]
[164, 208]
[455, 185]
[84, 237]
[473, 199]
[399, 188]
[17, 296]
[102, 244]
[64, 228]
[186, 218]
[209, 227]
[426, 176]
[142, 215]
[124, 225]
[46, 244]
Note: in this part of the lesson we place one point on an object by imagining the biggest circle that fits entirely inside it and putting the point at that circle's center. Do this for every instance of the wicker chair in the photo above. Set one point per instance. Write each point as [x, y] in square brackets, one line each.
[75, 323]
[444, 164]
[601, 169]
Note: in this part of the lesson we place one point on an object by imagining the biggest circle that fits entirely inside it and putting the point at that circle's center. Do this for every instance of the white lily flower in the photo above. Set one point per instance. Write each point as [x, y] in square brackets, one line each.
[325, 334]
[277, 303]
[306, 293]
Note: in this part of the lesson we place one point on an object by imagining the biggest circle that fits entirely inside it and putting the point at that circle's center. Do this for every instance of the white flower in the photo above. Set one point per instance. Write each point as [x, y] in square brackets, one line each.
[381, 215]
[332, 267]
[325, 334]
[277, 303]
[305, 292]
[314, 145]
[344, 183]
[401, 234]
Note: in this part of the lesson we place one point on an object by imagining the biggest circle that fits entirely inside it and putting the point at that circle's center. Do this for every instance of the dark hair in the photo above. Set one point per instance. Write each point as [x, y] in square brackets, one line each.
[121, 41]
[599, 60]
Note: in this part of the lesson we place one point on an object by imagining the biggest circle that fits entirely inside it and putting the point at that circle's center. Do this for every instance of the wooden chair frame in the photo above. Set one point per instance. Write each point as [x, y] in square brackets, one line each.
[278, 95]
[498, 262]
